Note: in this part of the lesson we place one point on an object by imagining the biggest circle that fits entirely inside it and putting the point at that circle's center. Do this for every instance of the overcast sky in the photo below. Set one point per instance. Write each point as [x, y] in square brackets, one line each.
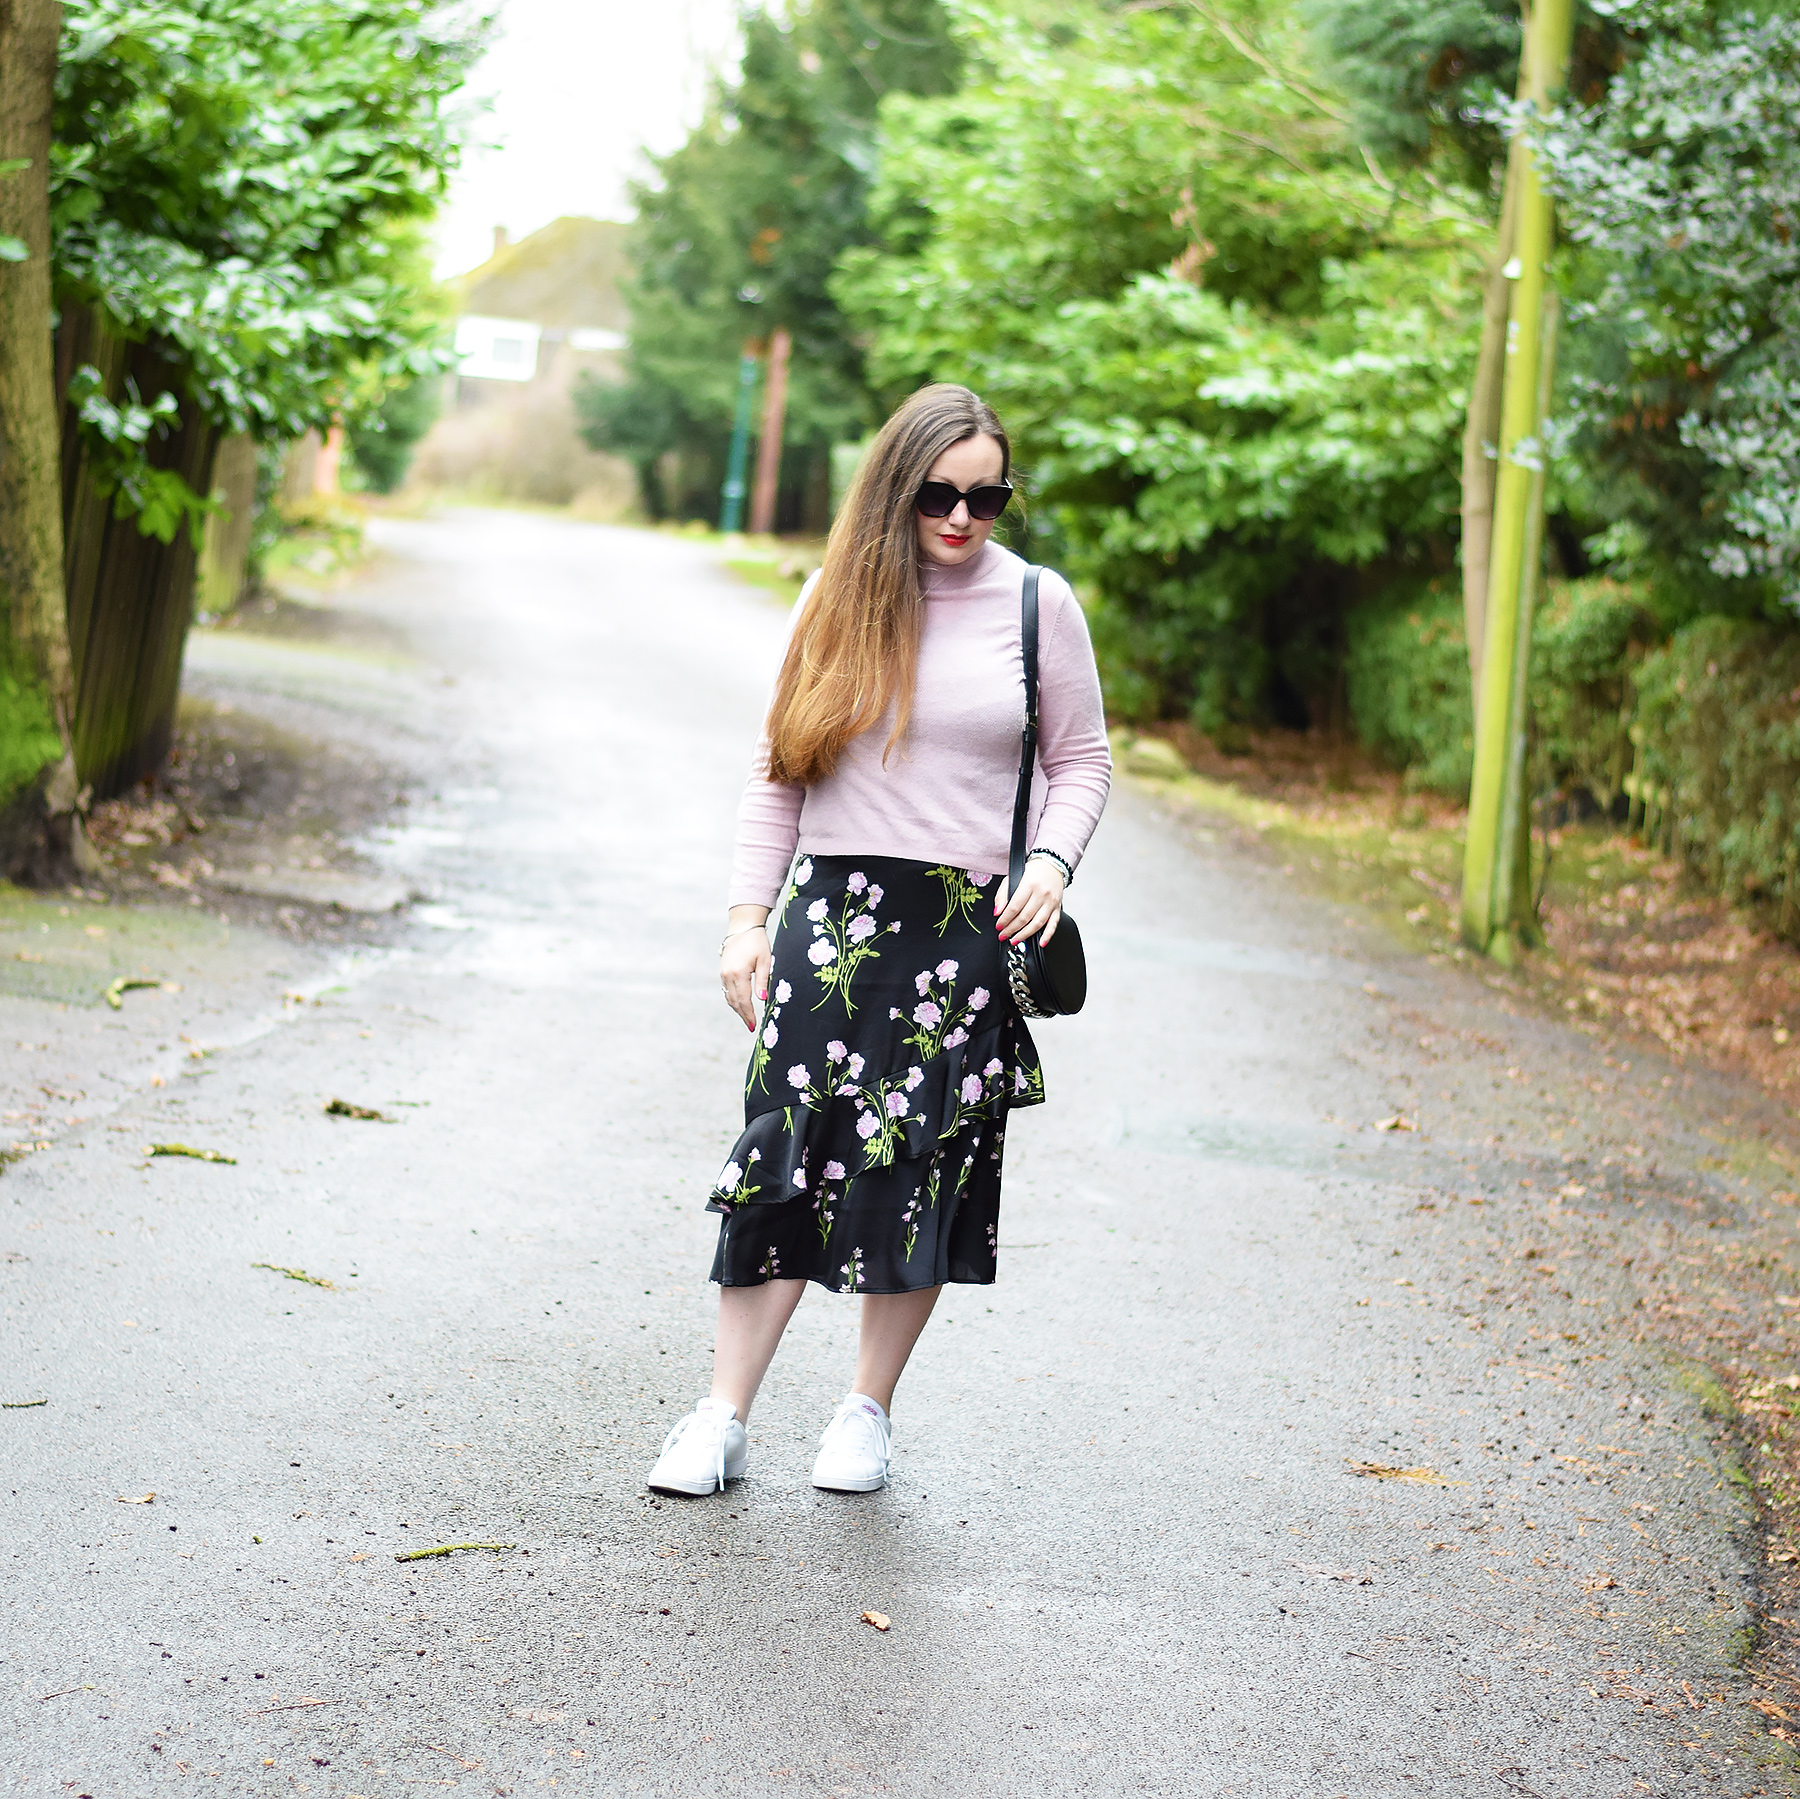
[578, 89]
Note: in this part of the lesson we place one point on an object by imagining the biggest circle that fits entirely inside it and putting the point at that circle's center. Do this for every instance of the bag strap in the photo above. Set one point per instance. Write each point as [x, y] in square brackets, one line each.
[1028, 641]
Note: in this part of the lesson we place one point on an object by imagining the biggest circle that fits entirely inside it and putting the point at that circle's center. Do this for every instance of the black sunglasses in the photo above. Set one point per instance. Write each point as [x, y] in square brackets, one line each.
[937, 499]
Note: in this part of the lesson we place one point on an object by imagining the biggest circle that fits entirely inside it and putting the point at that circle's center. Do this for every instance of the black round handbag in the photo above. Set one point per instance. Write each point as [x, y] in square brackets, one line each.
[1047, 980]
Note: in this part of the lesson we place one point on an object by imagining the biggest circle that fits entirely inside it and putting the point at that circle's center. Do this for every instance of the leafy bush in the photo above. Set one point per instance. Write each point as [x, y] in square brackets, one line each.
[29, 741]
[1701, 730]
[1685, 337]
[1717, 725]
[1406, 667]
[382, 443]
[1407, 672]
[1586, 638]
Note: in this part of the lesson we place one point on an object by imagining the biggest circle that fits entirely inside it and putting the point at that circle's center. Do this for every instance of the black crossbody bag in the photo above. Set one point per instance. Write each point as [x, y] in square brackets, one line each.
[1047, 981]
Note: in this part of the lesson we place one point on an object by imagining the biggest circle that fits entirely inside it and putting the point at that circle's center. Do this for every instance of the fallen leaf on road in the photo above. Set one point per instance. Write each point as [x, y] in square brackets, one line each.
[297, 1274]
[1396, 1123]
[342, 1108]
[139, 1499]
[123, 986]
[1424, 1477]
[20, 1405]
[462, 1760]
[879, 1619]
[183, 1149]
[1786, 1736]
[1598, 1583]
[1362, 1578]
[1769, 1709]
[419, 1555]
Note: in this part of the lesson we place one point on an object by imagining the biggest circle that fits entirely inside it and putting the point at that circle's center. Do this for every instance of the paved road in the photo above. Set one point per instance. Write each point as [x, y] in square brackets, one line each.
[1124, 1550]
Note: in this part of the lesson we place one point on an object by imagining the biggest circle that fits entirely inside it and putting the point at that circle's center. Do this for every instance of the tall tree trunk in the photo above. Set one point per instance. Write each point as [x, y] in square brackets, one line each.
[774, 429]
[1481, 434]
[225, 555]
[40, 827]
[130, 597]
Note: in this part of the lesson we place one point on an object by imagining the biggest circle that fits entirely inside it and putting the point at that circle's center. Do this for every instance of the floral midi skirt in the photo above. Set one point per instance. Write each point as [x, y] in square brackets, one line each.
[876, 1098]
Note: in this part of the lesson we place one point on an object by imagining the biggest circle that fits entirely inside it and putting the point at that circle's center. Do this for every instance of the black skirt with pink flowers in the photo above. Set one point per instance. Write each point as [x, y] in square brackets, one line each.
[876, 1099]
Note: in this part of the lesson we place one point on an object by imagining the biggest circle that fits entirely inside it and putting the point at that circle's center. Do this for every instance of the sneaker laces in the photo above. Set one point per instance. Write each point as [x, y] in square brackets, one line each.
[709, 1418]
[870, 1423]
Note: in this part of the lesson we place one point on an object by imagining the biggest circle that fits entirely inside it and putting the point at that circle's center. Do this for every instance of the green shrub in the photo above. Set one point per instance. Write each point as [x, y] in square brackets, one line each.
[1717, 729]
[28, 739]
[1586, 638]
[382, 445]
[1407, 672]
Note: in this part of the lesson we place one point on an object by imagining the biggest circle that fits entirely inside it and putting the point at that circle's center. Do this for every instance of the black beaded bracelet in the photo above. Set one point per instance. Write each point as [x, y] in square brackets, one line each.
[1068, 872]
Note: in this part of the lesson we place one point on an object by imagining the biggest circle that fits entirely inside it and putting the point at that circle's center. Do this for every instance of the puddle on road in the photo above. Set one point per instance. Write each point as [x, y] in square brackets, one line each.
[444, 918]
[348, 892]
[1224, 955]
[405, 844]
[1216, 1137]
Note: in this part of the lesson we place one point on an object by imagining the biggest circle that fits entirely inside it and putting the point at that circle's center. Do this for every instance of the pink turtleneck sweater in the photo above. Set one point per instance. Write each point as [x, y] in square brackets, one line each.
[945, 794]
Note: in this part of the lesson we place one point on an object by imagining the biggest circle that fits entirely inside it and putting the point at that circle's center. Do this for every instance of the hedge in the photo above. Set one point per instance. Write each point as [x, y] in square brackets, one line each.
[1695, 740]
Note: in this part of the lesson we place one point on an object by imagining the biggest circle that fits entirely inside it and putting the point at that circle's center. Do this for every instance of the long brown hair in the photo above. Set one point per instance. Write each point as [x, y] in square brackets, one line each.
[856, 647]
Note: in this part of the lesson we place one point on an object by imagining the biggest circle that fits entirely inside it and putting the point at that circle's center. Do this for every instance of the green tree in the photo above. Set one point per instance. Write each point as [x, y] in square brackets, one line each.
[238, 190]
[382, 442]
[246, 179]
[739, 232]
[1234, 352]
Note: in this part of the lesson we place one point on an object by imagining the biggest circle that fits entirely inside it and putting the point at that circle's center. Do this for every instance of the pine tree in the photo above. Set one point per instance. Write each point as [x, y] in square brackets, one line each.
[739, 233]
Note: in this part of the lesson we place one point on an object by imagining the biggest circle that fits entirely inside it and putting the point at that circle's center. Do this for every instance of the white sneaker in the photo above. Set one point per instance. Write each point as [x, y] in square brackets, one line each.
[855, 1449]
[704, 1450]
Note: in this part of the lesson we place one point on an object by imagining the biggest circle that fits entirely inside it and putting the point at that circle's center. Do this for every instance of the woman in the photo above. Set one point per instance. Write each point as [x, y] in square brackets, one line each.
[889, 1052]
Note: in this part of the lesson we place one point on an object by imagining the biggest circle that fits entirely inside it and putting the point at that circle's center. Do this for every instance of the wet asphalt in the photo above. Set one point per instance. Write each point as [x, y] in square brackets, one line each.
[1126, 1549]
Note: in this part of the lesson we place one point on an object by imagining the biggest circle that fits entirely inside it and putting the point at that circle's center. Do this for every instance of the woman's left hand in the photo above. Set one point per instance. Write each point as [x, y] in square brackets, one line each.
[1037, 906]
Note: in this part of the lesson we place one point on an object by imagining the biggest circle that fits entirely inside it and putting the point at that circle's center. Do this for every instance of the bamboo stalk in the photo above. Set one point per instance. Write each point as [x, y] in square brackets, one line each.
[1481, 433]
[1513, 903]
[1485, 912]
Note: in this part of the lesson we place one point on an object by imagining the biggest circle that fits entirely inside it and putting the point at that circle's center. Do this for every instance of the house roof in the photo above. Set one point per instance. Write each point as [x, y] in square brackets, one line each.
[564, 278]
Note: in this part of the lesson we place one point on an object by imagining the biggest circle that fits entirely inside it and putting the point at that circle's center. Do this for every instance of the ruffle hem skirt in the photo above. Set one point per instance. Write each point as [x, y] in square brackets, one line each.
[876, 1099]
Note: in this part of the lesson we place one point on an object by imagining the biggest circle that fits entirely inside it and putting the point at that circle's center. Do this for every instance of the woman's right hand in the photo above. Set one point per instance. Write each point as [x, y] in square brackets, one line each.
[745, 960]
